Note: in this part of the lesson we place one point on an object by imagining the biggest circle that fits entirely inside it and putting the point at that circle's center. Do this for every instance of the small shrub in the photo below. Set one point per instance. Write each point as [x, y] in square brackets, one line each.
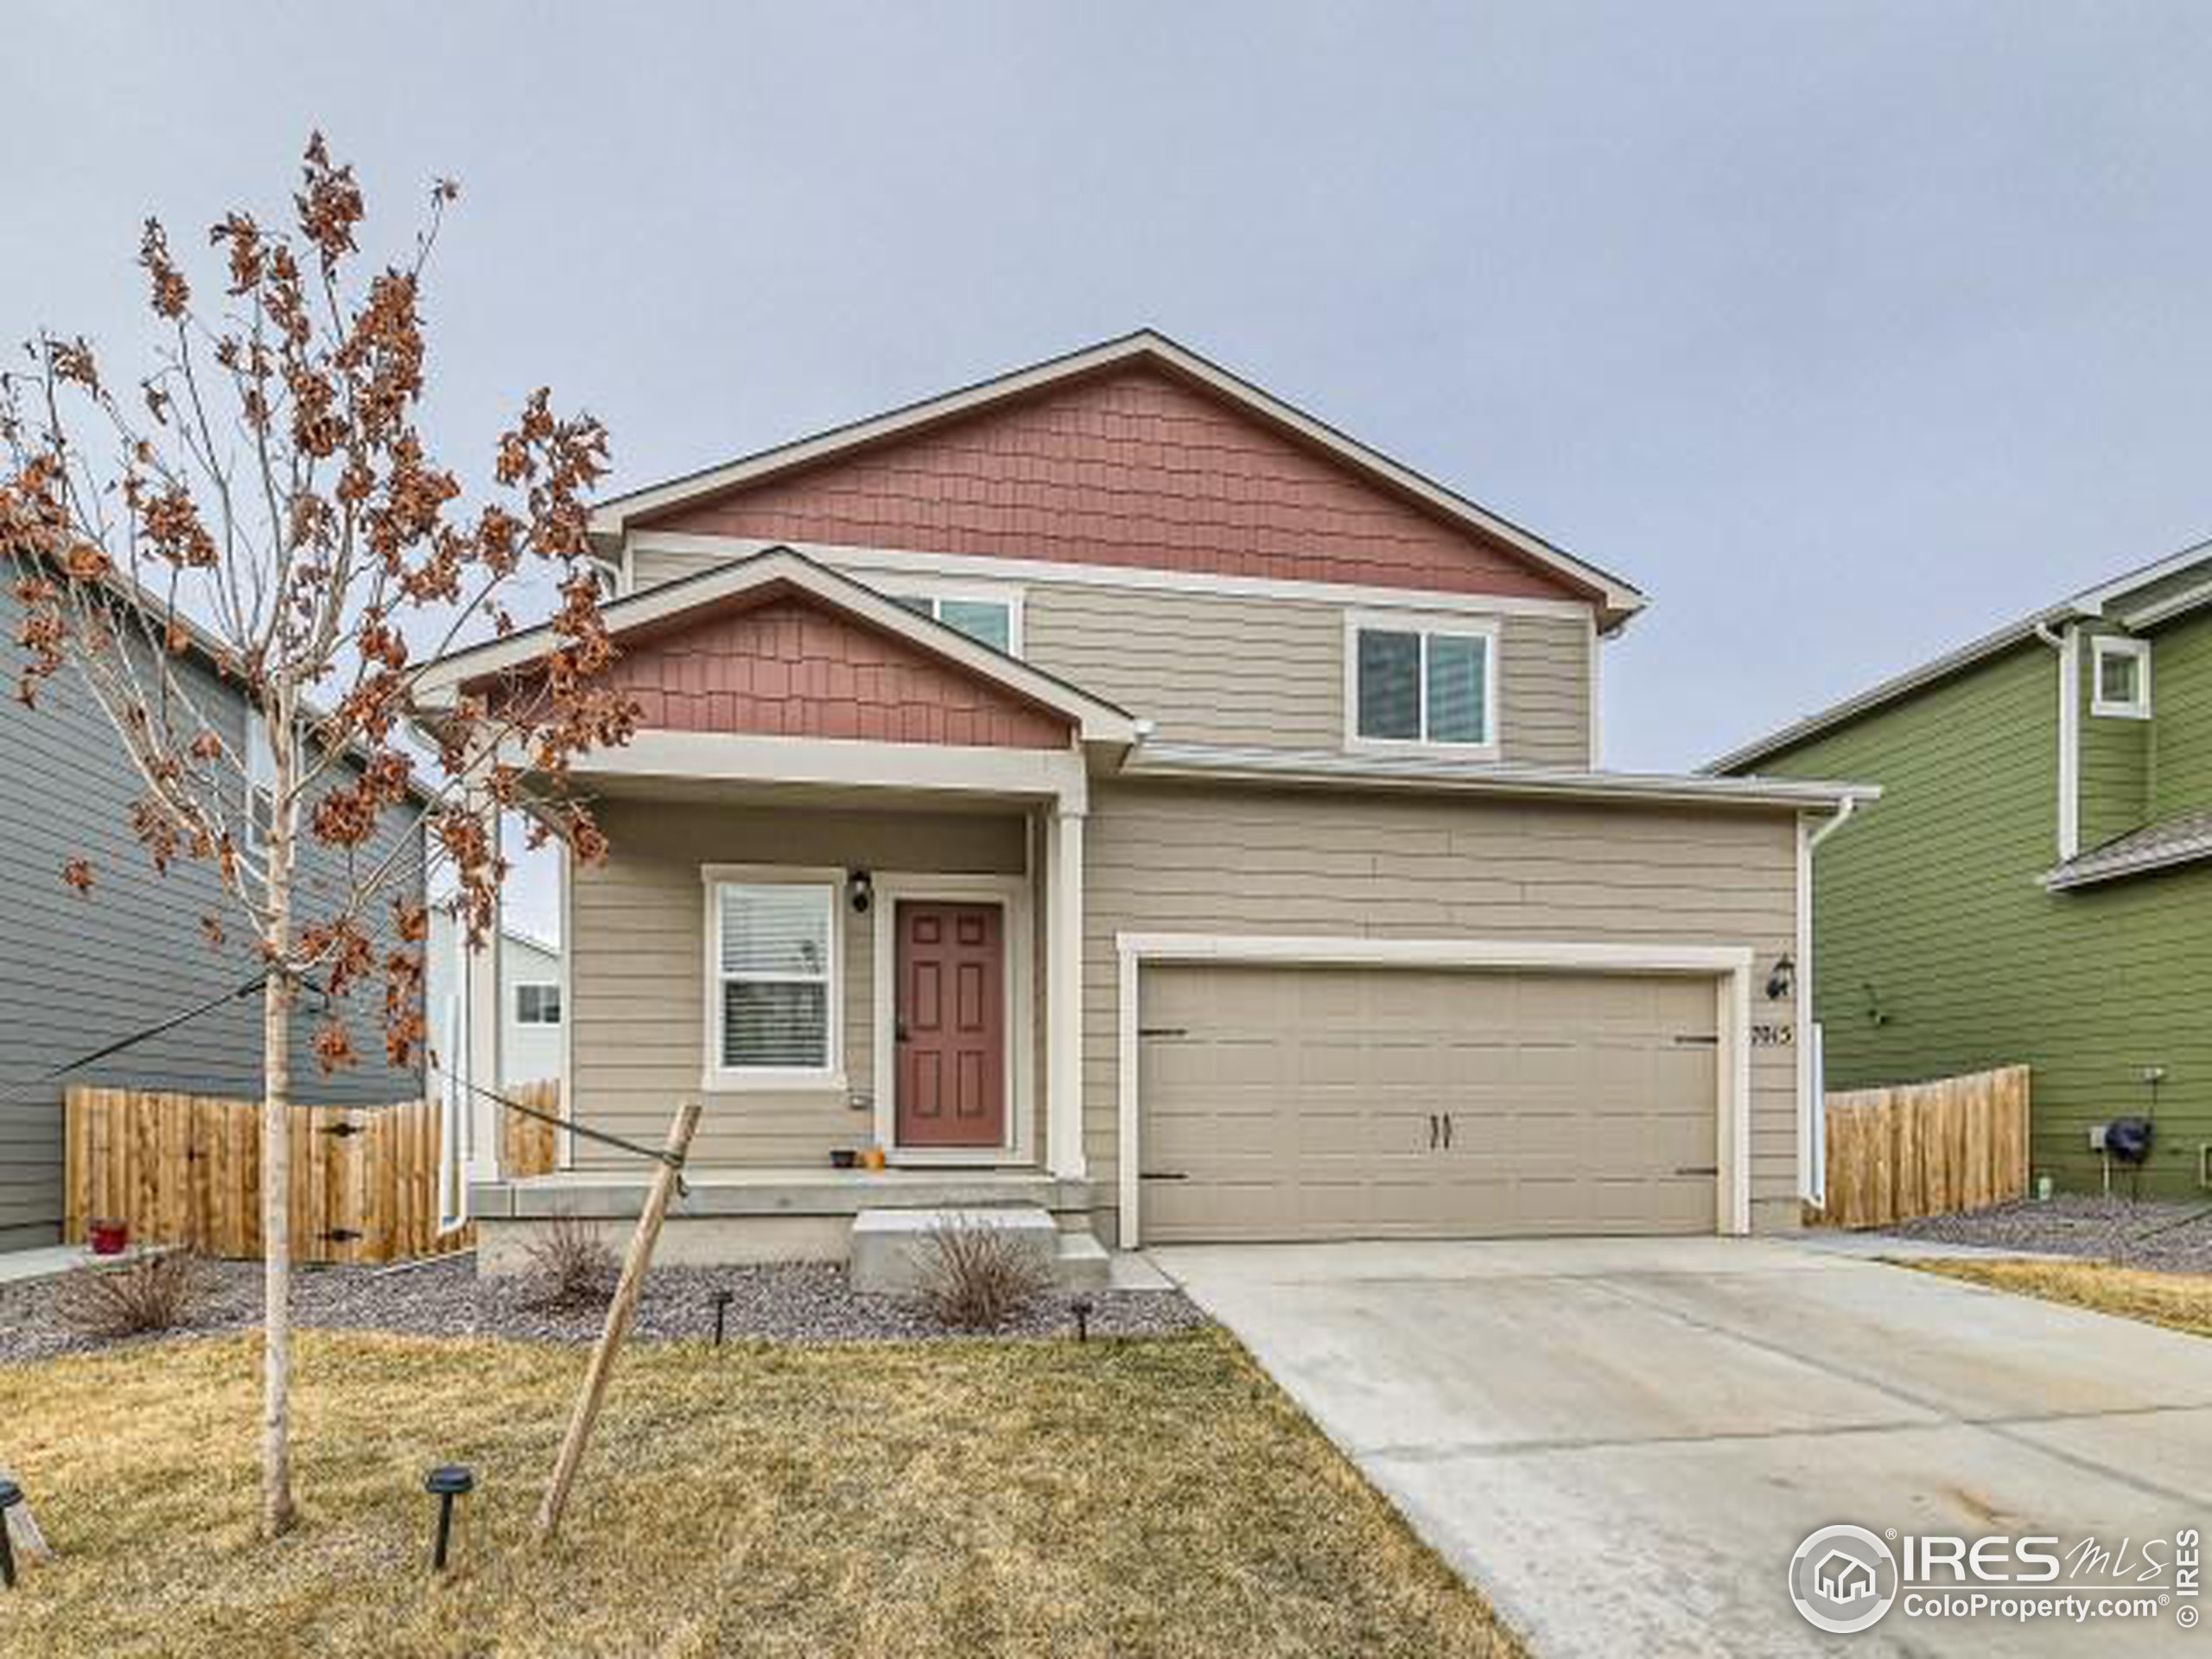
[571, 1266]
[975, 1276]
[152, 1290]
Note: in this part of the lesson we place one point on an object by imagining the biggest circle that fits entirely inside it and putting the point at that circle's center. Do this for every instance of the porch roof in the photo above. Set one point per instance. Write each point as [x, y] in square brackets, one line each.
[746, 581]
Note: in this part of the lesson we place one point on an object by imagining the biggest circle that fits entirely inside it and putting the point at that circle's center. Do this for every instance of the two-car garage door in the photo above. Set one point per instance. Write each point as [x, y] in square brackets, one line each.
[1326, 1103]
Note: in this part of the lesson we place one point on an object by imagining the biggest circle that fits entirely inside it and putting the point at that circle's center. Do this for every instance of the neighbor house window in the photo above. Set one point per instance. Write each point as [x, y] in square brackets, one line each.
[538, 1005]
[2122, 670]
[988, 621]
[773, 957]
[260, 783]
[1432, 684]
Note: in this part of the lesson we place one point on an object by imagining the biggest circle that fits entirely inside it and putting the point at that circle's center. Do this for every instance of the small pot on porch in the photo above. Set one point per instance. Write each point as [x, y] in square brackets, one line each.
[843, 1158]
[107, 1236]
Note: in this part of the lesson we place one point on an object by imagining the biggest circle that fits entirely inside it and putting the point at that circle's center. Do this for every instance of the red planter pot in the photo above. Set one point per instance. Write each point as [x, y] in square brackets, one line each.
[109, 1237]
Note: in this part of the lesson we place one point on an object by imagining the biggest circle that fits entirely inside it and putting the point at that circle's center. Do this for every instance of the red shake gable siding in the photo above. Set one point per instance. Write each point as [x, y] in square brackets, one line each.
[790, 669]
[1131, 468]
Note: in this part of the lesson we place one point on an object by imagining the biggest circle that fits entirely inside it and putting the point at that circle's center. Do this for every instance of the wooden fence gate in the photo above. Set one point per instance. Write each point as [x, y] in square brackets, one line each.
[1927, 1148]
[186, 1169]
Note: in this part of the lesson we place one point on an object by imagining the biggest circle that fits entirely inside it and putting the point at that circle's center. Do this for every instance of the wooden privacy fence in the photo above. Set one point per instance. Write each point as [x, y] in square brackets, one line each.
[1927, 1148]
[186, 1169]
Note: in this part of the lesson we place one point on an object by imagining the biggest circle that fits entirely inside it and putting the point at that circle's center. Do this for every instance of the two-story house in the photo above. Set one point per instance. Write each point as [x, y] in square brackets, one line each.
[79, 972]
[2032, 888]
[1111, 788]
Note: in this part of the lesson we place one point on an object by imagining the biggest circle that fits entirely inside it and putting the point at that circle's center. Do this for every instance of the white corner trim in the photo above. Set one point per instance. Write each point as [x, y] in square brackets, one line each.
[1802, 1013]
[1730, 965]
[714, 1077]
[2109, 645]
[565, 1154]
[1426, 626]
[1016, 931]
[881, 567]
[1595, 683]
[2069, 742]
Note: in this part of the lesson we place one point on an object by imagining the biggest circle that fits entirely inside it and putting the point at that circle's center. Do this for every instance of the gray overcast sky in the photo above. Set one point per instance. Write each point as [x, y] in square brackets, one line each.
[1844, 330]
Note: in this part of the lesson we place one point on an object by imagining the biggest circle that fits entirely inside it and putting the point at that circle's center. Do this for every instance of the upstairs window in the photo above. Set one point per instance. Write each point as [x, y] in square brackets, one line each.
[2120, 671]
[1414, 685]
[538, 1005]
[988, 621]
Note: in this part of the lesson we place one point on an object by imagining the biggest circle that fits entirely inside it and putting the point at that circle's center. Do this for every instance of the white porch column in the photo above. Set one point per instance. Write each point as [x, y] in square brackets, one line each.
[1064, 1154]
[480, 1012]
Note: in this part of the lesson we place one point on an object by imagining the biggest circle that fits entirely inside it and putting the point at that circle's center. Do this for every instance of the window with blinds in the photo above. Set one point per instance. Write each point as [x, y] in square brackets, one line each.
[774, 951]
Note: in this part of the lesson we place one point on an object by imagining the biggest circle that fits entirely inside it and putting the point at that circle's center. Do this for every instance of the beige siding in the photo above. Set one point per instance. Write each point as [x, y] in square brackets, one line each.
[1165, 858]
[638, 966]
[1231, 669]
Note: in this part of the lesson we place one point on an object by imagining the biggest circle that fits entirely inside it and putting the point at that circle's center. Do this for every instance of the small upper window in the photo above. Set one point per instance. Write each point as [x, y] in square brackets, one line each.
[1421, 685]
[538, 1005]
[2121, 682]
[987, 622]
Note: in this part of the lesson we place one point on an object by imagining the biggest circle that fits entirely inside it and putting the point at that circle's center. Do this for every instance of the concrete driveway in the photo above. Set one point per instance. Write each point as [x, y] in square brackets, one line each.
[1622, 1443]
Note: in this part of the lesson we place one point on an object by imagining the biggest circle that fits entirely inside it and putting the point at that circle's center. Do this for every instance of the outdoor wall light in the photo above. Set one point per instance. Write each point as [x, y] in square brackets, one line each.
[10, 1495]
[860, 891]
[1782, 980]
[446, 1483]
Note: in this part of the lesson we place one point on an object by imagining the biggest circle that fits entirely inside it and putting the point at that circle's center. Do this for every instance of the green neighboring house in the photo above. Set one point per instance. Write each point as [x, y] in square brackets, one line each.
[2036, 883]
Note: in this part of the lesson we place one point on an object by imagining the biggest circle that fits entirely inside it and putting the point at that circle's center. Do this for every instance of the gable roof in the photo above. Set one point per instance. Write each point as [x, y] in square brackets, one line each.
[781, 570]
[2136, 599]
[1617, 599]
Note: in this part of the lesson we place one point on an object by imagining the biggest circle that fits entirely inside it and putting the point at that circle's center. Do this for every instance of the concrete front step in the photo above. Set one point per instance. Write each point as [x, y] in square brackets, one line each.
[891, 1248]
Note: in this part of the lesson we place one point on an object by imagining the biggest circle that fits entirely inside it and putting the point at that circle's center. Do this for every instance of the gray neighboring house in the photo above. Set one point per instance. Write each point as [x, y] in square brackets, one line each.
[80, 971]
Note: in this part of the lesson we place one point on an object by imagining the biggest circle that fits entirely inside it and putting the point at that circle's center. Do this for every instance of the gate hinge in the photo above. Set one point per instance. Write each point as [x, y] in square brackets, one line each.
[342, 1129]
[340, 1235]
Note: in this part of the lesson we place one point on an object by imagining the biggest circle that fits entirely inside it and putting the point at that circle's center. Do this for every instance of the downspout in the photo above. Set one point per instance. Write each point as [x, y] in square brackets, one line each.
[1811, 1114]
[2067, 644]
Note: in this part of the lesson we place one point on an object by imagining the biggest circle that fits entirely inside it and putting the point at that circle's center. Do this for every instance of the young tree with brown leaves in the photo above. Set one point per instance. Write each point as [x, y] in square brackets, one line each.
[264, 493]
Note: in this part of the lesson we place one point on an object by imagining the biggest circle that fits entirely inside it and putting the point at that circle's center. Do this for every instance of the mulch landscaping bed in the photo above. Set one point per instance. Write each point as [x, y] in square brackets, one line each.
[2154, 1236]
[793, 1301]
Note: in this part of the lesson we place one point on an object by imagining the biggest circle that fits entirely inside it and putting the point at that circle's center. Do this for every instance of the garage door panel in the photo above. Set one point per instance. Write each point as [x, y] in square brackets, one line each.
[1296, 1103]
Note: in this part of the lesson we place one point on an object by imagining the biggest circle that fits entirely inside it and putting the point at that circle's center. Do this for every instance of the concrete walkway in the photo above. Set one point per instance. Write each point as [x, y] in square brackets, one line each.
[1622, 1443]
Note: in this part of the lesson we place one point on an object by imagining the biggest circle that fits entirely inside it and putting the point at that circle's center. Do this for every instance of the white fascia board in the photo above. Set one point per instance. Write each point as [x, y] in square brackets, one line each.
[871, 565]
[1169, 761]
[612, 517]
[1098, 721]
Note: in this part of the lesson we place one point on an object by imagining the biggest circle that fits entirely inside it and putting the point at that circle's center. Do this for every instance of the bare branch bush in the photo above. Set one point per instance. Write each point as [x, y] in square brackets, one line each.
[570, 1265]
[152, 1290]
[977, 1276]
[258, 512]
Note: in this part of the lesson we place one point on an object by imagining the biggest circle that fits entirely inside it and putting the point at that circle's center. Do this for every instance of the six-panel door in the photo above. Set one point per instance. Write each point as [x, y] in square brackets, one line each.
[951, 980]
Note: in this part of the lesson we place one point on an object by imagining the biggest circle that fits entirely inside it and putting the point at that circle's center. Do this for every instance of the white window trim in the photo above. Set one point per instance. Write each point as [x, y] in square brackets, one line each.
[1017, 929]
[260, 778]
[717, 1078]
[2106, 644]
[522, 985]
[1424, 623]
[894, 587]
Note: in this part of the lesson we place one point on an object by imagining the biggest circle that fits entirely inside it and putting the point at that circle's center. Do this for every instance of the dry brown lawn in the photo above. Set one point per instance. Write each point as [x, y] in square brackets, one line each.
[1139, 1497]
[2181, 1301]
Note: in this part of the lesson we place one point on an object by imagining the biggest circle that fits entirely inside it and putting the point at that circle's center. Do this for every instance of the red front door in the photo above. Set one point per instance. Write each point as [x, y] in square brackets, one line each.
[951, 1025]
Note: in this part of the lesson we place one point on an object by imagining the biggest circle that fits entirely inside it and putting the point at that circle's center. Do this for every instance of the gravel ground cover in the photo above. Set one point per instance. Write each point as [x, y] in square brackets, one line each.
[792, 1301]
[2156, 1237]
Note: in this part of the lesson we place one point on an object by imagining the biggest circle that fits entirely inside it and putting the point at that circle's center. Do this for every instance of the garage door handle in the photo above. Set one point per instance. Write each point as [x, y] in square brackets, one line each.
[1698, 1169]
[1447, 1131]
[1432, 1131]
